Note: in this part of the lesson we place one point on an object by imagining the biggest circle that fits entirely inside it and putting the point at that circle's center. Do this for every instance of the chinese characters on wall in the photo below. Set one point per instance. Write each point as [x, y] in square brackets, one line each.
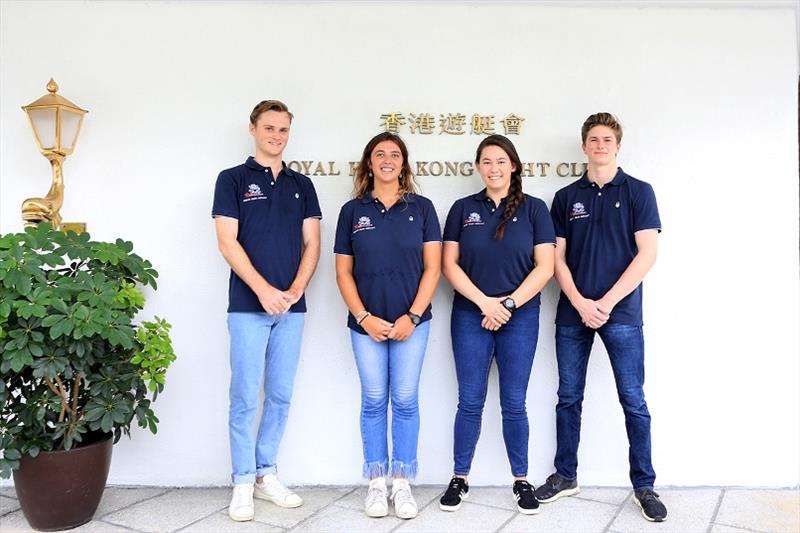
[450, 124]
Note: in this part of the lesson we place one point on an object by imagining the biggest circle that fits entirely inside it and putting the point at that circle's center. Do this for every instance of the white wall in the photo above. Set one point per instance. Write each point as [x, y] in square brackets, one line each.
[708, 101]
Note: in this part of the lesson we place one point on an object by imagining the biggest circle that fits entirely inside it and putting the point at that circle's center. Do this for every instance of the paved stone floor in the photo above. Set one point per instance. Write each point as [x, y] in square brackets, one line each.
[339, 509]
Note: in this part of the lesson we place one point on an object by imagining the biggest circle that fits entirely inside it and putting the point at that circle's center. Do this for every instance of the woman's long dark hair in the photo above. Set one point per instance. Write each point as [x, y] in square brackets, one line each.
[515, 196]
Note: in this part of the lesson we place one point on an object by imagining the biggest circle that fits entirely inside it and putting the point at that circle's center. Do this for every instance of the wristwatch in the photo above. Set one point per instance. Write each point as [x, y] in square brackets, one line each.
[509, 304]
[415, 319]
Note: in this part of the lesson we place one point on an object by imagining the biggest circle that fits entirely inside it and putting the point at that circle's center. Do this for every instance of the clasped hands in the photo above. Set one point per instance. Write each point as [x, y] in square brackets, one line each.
[380, 330]
[494, 313]
[594, 313]
[275, 301]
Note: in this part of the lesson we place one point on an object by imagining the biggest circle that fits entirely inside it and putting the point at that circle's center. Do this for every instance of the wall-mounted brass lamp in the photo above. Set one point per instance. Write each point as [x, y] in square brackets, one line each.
[56, 123]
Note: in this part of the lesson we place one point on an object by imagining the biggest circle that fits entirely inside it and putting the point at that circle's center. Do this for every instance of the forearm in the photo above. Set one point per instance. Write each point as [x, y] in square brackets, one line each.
[566, 282]
[631, 278]
[532, 285]
[349, 292]
[461, 283]
[427, 287]
[240, 263]
[308, 264]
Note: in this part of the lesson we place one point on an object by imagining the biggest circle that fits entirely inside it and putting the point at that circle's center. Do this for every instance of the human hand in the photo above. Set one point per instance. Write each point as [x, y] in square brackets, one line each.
[293, 294]
[402, 329]
[488, 323]
[377, 328]
[592, 314]
[274, 301]
[494, 309]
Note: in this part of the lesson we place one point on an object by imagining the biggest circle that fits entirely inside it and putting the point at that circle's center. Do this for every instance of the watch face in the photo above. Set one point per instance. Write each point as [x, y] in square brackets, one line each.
[509, 303]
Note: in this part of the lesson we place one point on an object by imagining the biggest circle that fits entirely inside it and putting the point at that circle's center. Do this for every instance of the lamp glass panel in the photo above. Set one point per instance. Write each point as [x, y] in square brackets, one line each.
[70, 122]
[44, 126]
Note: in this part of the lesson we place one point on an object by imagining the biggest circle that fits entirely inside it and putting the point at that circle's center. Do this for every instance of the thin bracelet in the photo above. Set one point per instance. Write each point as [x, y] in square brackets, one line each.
[363, 318]
[361, 314]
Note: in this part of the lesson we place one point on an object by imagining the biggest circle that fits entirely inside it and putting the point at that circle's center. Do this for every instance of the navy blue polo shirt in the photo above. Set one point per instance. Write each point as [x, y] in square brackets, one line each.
[599, 225]
[270, 213]
[386, 246]
[496, 267]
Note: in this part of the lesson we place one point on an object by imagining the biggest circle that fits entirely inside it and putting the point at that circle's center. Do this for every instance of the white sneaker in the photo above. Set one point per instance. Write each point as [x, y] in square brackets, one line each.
[376, 505]
[272, 490]
[404, 504]
[242, 508]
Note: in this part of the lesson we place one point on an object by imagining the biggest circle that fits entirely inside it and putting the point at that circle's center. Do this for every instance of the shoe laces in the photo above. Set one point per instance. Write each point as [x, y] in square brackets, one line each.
[456, 485]
[648, 494]
[402, 496]
[524, 490]
[552, 480]
[273, 484]
[376, 495]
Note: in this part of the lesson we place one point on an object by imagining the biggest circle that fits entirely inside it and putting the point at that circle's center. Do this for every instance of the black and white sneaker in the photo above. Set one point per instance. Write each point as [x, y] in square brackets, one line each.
[652, 508]
[526, 501]
[457, 491]
[555, 487]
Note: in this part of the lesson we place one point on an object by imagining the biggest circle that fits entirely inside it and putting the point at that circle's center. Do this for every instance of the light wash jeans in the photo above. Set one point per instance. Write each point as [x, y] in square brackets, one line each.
[390, 368]
[260, 343]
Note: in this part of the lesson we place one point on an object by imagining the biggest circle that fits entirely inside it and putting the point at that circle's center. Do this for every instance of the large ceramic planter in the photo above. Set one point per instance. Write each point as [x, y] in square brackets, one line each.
[62, 489]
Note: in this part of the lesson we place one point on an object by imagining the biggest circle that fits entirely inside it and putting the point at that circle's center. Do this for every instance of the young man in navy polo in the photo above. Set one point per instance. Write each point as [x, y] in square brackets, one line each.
[607, 228]
[267, 222]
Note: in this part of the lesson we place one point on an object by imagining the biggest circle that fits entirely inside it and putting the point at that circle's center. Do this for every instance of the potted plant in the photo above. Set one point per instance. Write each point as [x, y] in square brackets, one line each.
[76, 369]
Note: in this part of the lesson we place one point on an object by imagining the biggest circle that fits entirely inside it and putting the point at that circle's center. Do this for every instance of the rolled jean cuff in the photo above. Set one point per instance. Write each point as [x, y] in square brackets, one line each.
[406, 470]
[376, 469]
[239, 479]
[264, 470]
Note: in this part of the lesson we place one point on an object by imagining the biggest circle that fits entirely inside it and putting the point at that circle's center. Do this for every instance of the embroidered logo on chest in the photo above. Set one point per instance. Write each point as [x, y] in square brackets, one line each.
[363, 223]
[474, 219]
[254, 193]
[578, 211]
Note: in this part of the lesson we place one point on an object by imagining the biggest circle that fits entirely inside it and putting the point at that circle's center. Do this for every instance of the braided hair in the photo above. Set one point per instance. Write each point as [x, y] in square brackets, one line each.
[515, 196]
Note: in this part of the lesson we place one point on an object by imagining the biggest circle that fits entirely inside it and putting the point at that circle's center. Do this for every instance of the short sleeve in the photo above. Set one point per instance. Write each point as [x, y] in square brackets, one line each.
[431, 232]
[543, 232]
[342, 244]
[226, 198]
[558, 214]
[312, 209]
[645, 209]
[452, 227]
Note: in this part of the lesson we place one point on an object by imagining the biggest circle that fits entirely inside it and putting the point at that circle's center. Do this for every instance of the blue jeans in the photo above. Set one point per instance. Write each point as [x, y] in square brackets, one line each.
[390, 368]
[260, 343]
[513, 347]
[625, 347]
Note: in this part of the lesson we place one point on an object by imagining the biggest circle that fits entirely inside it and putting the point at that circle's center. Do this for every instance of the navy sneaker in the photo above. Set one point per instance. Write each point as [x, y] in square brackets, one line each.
[457, 491]
[652, 508]
[526, 501]
[555, 487]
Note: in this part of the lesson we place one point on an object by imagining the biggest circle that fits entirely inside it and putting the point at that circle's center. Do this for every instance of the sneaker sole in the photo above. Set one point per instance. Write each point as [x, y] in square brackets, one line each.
[378, 514]
[526, 511]
[563, 493]
[451, 508]
[648, 518]
[277, 502]
[406, 517]
[242, 518]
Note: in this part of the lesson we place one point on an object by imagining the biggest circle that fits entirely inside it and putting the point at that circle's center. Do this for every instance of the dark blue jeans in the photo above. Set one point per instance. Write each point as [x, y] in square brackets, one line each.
[625, 347]
[513, 347]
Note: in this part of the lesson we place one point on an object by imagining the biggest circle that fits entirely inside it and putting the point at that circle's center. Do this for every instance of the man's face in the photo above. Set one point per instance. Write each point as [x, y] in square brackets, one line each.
[601, 146]
[271, 132]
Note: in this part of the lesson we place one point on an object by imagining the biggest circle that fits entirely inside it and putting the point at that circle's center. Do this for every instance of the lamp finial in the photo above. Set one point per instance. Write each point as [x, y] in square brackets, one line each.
[52, 86]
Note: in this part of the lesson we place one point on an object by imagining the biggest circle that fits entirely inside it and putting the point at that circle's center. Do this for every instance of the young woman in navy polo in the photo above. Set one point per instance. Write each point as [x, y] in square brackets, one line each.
[388, 255]
[499, 249]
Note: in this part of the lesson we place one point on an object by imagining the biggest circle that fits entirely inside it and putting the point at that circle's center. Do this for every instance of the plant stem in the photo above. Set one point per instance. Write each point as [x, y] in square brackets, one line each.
[64, 397]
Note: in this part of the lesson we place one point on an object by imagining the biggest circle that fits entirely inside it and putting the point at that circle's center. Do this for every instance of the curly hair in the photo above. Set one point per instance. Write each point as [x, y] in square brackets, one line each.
[364, 181]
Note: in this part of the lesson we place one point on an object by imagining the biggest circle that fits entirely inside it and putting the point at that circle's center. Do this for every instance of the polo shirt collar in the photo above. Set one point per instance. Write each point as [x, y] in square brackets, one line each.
[482, 196]
[408, 198]
[619, 179]
[255, 165]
